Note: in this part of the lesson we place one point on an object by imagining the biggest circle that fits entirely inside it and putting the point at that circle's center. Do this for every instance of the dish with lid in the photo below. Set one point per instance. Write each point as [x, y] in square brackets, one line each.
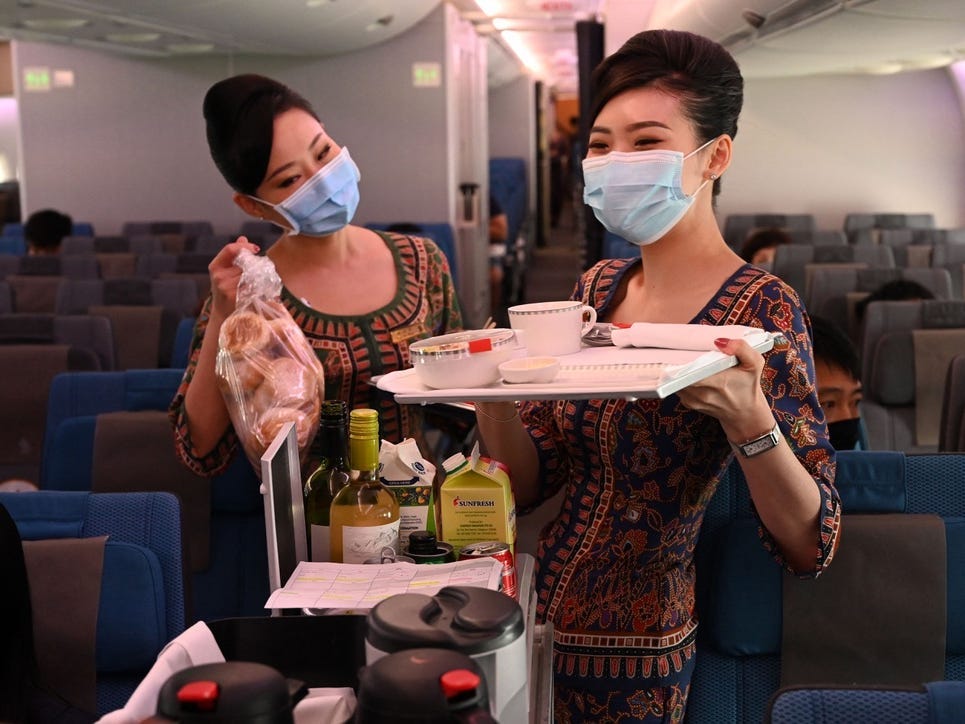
[462, 359]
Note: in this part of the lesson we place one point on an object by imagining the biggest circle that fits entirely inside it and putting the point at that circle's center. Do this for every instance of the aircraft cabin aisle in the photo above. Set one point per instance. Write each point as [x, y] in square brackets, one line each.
[440, 115]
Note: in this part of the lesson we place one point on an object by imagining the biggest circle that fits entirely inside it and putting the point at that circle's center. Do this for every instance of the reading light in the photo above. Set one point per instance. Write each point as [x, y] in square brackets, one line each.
[55, 23]
[132, 37]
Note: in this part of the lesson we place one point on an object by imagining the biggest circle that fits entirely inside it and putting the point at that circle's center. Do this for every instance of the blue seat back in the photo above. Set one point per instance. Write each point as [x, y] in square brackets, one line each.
[739, 585]
[441, 233]
[235, 582]
[508, 184]
[142, 594]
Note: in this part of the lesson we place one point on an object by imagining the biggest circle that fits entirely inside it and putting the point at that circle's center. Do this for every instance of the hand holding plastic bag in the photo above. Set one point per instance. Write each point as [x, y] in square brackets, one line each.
[267, 370]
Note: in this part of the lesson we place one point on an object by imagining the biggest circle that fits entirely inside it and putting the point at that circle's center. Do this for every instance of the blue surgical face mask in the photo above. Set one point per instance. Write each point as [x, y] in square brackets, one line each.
[326, 202]
[637, 195]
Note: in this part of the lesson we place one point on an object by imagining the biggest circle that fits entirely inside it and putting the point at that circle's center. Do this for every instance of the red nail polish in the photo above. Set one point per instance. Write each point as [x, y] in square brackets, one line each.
[721, 341]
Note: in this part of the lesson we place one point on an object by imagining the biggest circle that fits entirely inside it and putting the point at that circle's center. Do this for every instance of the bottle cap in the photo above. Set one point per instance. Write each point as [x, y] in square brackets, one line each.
[334, 411]
[423, 541]
[364, 422]
[454, 462]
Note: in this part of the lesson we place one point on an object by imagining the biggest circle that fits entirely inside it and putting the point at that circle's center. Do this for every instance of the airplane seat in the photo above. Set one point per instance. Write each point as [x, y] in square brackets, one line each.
[210, 243]
[143, 312]
[77, 330]
[106, 575]
[6, 298]
[738, 226]
[950, 255]
[749, 610]
[823, 237]
[182, 343]
[154, 265]
[865, 227]
[906, 350]
[102, 424]
[441, 233]
[951, 437]
[938, 702]
[15, 245]
[832, 292]
[616, 247]
[795, 263]
[507, 182]
[26, 374]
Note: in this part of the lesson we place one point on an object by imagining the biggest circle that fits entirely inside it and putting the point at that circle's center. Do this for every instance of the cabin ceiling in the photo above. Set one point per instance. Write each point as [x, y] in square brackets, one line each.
[769, 38]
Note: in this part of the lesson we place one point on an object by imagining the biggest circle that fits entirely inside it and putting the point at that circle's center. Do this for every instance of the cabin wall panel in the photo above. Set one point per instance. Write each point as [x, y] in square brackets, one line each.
[127, 141]
[836, 144]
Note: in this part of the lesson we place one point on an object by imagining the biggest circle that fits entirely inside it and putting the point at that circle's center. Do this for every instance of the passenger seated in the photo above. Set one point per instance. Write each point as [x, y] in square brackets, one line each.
[838, 373]
[45, 230]
[897, 290]
[758, 248]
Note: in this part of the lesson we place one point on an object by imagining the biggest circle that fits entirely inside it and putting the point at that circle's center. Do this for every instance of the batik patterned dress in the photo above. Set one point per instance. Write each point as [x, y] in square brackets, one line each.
[616, 567]
[353, 349]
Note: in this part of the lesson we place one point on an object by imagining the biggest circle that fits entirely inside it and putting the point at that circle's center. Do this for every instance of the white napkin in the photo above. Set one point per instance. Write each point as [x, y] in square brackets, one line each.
[197, 646]
[335, 705]
[677, 336]
[193, 647]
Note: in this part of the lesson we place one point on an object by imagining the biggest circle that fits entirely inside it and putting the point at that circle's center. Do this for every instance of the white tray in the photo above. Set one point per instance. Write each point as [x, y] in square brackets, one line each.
[591, 373]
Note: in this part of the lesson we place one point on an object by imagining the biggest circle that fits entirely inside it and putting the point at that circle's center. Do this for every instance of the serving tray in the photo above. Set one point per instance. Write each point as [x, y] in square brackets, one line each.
[591, 373]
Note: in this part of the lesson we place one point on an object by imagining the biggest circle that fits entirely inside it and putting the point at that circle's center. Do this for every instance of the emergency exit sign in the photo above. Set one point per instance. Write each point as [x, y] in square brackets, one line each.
[426, 75]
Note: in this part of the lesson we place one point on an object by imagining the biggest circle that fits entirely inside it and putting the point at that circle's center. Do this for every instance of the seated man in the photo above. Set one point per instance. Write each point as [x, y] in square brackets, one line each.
[838, 375]
[759, 247]
[45, 230]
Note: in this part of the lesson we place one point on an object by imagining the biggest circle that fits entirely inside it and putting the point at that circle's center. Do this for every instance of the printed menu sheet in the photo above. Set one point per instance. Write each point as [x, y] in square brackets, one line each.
[359, 586]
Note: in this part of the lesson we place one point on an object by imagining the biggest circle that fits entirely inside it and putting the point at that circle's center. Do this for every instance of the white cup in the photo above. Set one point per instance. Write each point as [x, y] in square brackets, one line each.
[552, 328]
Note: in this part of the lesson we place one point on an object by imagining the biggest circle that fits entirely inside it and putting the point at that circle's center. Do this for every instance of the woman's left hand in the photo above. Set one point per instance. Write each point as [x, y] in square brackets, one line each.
[733, 396]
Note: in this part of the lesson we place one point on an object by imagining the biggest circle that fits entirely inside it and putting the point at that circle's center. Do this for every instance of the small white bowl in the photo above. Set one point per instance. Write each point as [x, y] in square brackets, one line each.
[462, 359]
[530, 369]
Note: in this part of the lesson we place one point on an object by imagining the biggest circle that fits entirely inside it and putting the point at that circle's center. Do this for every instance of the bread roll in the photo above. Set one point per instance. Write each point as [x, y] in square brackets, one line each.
[245, 333]
[287, 383]
[271, 421]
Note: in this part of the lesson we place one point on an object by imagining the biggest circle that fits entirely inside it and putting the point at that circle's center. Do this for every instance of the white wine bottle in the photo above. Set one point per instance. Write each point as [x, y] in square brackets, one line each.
[365, 513]
[331, 475]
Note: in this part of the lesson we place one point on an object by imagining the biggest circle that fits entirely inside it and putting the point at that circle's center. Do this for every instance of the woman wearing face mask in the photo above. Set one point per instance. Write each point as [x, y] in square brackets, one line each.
[616, 569]
[360, 297]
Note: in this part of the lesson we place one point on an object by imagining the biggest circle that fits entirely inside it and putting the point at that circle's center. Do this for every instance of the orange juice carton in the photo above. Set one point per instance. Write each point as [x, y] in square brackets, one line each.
[476, 500]
[404, 471]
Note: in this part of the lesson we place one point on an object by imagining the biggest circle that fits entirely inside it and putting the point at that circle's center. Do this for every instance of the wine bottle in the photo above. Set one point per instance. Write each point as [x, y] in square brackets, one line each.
[331, 475]
[365, 513]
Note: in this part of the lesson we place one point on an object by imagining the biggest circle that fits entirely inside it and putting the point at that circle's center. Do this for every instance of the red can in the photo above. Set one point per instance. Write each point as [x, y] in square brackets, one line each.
[502, 553]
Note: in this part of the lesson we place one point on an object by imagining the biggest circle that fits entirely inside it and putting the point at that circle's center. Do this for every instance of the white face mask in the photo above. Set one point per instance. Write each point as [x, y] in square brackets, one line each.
[638, 195]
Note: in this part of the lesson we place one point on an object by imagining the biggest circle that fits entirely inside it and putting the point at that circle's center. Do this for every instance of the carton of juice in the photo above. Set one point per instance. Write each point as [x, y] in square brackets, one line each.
[404, 471]
[476, 501]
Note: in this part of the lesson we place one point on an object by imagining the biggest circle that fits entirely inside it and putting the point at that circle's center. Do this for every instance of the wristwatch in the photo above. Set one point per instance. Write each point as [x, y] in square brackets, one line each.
[758, 445]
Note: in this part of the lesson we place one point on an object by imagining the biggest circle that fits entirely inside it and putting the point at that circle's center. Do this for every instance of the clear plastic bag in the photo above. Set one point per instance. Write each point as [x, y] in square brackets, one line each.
[267, 371]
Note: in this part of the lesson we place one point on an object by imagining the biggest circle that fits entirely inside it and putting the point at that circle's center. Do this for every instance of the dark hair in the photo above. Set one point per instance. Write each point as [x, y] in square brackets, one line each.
[896, 290]
[239, 114]
[45, 229]
[763, 239]
[833, 347]
[695, 69]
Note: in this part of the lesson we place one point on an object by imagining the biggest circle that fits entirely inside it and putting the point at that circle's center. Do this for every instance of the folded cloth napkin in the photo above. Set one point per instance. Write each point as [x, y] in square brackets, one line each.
[193, 647]
[197, 646]
[677, 336]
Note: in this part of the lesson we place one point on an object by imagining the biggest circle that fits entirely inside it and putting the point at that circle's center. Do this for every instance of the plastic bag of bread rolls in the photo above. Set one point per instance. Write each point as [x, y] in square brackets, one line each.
[267, 370]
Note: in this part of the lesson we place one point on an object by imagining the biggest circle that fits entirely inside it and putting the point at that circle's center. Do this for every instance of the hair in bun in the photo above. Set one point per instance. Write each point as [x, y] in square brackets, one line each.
[239, 114]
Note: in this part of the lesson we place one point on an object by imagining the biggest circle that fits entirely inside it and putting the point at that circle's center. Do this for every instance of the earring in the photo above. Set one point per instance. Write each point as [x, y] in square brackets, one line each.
[713, 177]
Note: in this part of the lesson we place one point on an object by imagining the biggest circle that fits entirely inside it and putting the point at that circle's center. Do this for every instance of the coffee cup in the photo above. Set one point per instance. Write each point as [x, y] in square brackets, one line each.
[552, 328]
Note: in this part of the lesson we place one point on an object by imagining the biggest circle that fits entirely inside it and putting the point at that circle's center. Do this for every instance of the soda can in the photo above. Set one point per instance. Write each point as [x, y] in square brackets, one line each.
[502, 553]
